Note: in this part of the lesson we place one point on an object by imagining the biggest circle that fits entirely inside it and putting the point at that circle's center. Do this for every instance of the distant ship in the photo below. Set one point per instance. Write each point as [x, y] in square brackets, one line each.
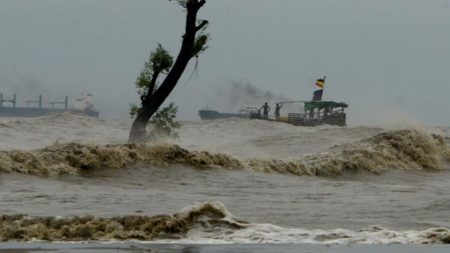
[244, 113]
[34, 108]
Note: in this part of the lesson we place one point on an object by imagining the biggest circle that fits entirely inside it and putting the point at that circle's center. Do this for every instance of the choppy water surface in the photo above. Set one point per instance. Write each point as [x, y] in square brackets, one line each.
[402, 200]
[280, 208]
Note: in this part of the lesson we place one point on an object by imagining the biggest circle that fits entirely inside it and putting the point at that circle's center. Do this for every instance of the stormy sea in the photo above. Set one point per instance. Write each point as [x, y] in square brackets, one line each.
[73, 180]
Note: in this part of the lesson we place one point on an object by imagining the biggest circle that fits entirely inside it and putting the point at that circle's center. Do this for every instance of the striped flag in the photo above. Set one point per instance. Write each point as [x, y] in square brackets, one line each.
[320, 83]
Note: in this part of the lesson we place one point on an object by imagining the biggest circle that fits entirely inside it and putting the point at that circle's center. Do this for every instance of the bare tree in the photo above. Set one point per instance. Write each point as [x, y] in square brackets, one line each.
[152, 97]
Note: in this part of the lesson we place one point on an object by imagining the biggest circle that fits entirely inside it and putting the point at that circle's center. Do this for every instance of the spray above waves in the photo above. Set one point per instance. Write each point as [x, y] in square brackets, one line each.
[33, 133]
[208, 222]
[397, 149]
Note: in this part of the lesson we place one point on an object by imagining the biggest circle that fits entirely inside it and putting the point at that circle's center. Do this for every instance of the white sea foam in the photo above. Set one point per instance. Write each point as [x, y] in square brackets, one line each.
[201, 223]
[268, 233]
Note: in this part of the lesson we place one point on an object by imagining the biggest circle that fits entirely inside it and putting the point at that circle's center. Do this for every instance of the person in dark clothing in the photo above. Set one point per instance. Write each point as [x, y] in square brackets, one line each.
[266, 110]
[277, 110]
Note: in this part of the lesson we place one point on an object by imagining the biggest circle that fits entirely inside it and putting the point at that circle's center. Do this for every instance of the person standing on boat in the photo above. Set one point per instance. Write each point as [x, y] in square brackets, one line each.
[266, 110]
[277, 110]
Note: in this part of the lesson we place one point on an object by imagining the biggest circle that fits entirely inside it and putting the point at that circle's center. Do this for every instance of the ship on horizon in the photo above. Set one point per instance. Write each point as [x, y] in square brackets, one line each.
[34, 108]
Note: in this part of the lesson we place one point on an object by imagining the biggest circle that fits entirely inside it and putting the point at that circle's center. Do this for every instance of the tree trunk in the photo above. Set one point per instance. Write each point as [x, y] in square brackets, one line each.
[153, 101]
[138, 133]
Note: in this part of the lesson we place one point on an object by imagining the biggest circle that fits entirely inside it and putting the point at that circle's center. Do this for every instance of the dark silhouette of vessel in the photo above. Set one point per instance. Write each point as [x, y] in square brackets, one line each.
[34, 108]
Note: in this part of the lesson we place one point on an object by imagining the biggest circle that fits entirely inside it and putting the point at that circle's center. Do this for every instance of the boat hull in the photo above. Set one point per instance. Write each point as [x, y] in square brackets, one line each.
[37, 112]
[338, 119]
[210, 114]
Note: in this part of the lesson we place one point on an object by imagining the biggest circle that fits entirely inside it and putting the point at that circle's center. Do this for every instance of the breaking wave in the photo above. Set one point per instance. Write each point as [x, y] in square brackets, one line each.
[33, 133]
[72, 158]
[24, 228]
[208, 222]
[397, 149]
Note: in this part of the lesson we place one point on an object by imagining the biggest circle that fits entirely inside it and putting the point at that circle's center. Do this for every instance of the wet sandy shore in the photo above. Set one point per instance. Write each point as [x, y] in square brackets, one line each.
[204, 248]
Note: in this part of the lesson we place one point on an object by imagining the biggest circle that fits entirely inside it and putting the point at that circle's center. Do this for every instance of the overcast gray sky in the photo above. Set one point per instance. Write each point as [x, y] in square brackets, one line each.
[388, 59]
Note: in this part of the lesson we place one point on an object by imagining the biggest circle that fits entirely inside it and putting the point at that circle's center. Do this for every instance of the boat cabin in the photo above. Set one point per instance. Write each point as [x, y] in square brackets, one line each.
[318, 113]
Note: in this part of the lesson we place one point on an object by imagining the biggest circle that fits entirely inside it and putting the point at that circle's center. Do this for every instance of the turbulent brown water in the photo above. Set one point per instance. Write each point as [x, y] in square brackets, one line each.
[72, 177]
[210, 220]
[406, 149]
[176, 226]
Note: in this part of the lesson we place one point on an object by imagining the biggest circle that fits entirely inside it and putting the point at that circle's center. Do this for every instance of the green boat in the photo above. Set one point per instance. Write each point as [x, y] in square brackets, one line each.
[315, 113]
